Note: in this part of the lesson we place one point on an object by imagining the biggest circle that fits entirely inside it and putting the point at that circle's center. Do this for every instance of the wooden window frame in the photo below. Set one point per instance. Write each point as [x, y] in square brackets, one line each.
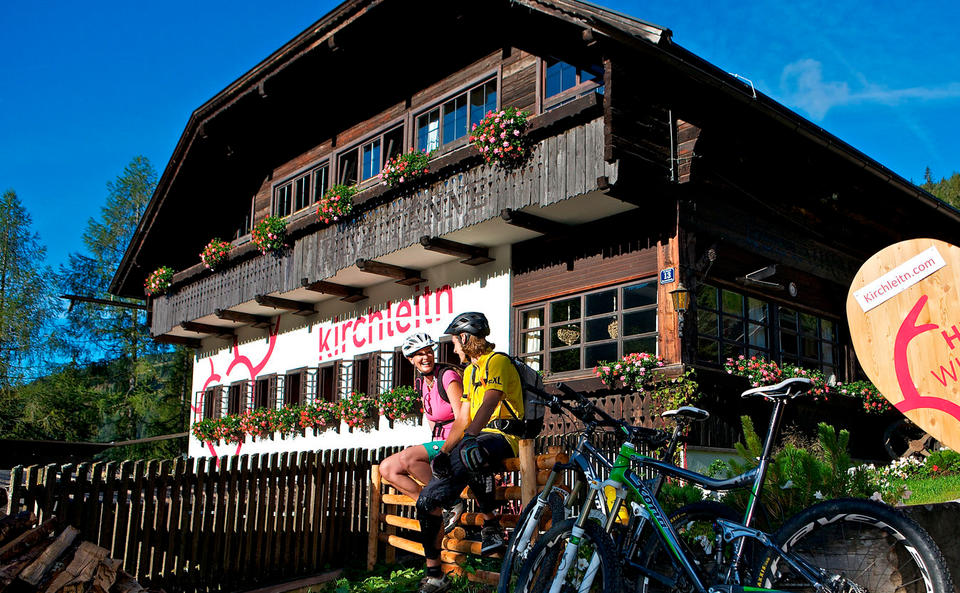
[402, 369]
[300, 399]
[334, 367]
[289, 185]
[271, 395]
[547, 325]
[371, 361]
[445, 352]
[357, 147]
[465, 90]
[213, 402]
[241, 399]
[775, 332]
[565, 96]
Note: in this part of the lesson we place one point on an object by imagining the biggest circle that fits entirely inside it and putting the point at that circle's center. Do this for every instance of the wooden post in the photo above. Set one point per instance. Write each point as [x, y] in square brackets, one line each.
[373, 537]
[528, 471]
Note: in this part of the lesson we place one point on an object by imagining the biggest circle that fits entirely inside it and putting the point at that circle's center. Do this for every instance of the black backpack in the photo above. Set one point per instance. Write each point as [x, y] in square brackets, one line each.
[531, 383]
[441, 368]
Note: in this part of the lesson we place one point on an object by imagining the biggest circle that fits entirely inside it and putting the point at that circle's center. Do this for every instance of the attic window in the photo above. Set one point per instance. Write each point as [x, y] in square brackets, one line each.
[563, 82]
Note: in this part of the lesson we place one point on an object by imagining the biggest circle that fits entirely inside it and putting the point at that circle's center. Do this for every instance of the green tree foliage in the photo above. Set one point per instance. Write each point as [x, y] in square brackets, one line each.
[25, 301]
[947, 189]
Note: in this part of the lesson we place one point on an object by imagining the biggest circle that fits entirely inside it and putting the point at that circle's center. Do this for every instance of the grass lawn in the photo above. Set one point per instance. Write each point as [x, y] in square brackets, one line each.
[933, 489]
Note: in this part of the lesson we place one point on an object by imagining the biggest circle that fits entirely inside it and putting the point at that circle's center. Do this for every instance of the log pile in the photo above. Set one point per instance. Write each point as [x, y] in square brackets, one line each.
[48, 558]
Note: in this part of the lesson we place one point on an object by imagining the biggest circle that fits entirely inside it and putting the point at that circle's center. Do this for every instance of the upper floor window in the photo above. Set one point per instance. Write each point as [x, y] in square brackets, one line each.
[365, 161]
[301, 191]
[730, 324]
[452, 120]
[576, 332]
[563, 82]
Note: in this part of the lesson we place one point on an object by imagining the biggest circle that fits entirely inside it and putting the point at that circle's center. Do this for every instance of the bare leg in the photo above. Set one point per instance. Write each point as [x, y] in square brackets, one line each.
[397, 470]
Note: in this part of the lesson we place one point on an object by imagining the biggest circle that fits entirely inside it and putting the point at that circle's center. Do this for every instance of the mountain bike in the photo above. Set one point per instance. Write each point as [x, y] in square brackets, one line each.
[813, 551]
[552, 504]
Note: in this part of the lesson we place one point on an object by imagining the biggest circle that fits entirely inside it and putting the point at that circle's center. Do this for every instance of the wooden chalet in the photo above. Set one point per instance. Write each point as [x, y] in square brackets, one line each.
[650, 167]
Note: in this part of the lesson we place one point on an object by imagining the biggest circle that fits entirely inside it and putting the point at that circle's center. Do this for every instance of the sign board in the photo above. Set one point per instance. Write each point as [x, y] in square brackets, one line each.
[667, 276]
[903, 309]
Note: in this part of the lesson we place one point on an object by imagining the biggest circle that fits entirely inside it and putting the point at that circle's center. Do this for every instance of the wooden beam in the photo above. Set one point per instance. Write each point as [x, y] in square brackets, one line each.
[348, 294]
[533, 223]
[74, 298]
[261, 321]
[206, 328]
[474, 254]
[180, 340]
[405, 276]
[297, 307]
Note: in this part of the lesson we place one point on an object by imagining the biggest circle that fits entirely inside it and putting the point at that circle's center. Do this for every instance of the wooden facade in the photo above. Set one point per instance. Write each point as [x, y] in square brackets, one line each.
[651, 161]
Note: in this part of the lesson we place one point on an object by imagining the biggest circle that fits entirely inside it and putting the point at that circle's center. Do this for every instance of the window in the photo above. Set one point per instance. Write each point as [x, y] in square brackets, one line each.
[445, 352]
[364, 162]
[730, 324]
[328, 384]
[236, 397]
[366, 373]
[265, 392]
[453, 119]
[563, 82]
[575, 333]
[211, 402]
[300, 192]
[293, 387]
[403, 373]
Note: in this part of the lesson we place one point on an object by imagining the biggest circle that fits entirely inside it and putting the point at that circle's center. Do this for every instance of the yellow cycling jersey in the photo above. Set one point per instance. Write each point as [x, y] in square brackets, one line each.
[494, 370]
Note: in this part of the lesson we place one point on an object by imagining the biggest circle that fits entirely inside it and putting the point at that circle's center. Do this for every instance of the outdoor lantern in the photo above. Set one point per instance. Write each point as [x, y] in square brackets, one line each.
[681, 300]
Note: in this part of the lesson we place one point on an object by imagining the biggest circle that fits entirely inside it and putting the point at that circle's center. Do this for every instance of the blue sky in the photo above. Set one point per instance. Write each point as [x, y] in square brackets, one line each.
[87, 86]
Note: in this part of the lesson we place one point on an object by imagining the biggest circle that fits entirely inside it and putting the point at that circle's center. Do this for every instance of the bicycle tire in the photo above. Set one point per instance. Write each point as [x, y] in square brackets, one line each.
[513, 557]
[865, 542]
[538, 570]
[696, 519]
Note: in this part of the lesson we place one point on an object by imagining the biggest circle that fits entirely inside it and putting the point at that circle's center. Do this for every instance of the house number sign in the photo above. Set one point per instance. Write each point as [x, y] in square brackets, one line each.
[903, 309]
[667, 276]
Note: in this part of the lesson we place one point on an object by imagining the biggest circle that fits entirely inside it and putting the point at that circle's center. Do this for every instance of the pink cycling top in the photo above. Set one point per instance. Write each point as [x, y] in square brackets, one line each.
[435, 409]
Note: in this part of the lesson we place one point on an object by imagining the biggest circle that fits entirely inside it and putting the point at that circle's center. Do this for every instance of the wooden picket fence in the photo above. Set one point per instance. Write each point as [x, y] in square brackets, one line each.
[209, 524]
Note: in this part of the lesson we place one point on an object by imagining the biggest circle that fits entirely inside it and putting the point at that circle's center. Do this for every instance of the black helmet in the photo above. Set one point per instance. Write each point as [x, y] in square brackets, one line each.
[471, 323]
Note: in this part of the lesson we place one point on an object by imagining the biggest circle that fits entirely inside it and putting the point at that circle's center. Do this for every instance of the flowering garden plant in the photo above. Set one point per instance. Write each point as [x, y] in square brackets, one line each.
[227, 429]
[500, 137]
[357, 408]
[873, 400]
[400, 402]
[269, 234]
[321, 414]
[214, 253]
[405, 167]
[637, 372]
[336, 203]
[158, 281]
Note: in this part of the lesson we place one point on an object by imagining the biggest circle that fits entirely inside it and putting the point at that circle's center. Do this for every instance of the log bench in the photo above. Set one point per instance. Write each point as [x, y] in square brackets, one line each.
[386, 506]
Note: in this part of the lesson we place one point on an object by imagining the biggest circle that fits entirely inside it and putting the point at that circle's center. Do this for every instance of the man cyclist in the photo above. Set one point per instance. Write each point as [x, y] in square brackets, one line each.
[473, 451]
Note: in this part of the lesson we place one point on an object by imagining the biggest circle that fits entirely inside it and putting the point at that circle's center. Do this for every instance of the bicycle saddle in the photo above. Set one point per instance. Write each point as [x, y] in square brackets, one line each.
[688, 413]
[790, 388]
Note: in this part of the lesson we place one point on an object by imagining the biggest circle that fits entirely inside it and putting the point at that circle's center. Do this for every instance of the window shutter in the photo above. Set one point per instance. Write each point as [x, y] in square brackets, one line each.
[272, 393]
[373, 373]
[217, 401]
[302, 392]
[337, 376]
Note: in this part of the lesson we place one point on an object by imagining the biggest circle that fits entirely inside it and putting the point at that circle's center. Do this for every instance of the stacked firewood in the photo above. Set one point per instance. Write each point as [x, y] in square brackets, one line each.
[52, 559]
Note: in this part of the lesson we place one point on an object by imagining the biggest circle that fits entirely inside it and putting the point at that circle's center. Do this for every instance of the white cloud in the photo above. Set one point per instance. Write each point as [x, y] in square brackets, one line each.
[802, 86]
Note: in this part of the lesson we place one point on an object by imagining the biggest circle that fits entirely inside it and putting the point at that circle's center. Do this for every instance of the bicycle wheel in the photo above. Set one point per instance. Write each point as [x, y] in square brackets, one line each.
[694, 524]
[516, 551]
[869, 545]
[544, 561]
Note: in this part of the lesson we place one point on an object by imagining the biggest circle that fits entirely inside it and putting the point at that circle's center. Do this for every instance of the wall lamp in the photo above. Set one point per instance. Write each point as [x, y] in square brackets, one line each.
[681, 301]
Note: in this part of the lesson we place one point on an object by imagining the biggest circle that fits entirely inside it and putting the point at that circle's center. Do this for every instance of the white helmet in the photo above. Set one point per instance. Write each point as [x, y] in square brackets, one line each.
[415, 343]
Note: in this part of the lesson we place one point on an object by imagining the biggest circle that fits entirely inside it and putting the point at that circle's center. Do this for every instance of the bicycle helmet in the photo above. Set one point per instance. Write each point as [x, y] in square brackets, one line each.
[471, 323]
[415, 343]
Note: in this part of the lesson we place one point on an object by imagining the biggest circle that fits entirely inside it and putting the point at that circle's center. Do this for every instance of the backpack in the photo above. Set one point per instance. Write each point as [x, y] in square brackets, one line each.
[441, 368]
[531, 383]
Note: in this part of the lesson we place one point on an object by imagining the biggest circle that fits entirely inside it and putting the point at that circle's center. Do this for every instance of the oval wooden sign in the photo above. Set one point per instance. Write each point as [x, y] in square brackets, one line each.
[904, 315]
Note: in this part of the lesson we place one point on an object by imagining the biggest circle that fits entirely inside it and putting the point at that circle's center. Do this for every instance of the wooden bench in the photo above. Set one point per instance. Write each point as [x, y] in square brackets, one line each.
[386, 506]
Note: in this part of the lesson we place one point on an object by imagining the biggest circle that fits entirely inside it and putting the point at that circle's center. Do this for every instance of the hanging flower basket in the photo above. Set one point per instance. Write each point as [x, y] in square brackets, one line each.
[500, 137]
[269, 234]
[215, 253]
[404, 168]
[159, 281]
[336, 203]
